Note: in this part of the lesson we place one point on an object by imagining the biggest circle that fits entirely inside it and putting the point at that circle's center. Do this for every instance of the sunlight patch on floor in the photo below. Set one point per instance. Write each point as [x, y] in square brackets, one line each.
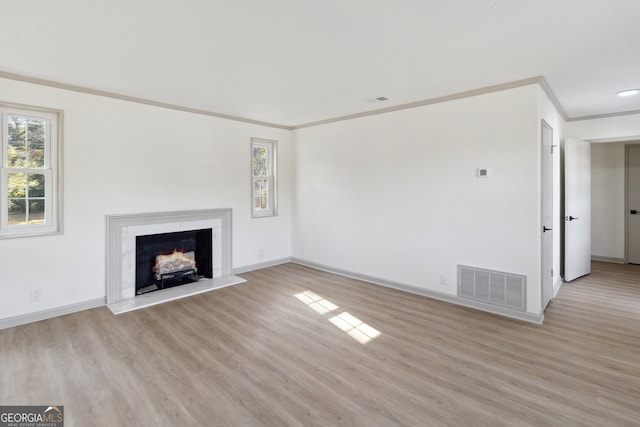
[359, 331]
[356, 328]
[316, 302]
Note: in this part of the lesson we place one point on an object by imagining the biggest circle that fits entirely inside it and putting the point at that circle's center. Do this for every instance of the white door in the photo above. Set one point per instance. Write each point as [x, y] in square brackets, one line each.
[547, 214]
[577, 209]
[633, 204]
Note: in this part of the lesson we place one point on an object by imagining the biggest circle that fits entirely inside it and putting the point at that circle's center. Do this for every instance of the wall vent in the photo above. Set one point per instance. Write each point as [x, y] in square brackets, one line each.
[492, 287]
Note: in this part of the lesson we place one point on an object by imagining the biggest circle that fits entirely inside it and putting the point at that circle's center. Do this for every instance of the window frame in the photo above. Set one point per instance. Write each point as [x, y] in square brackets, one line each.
[271, 178]
[52, 170]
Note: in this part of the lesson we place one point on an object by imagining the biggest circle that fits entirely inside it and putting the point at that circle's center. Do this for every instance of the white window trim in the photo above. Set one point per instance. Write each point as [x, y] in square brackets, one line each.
[272, 210]
[52, 170]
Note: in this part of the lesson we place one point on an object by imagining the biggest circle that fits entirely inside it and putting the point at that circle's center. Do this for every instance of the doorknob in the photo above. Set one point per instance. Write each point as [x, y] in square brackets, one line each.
[571, 218]
[545, 229]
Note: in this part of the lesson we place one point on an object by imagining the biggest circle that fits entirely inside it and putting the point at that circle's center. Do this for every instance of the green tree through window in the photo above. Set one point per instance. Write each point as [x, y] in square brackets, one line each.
[263, 176]
[28, 172]
[26, 150]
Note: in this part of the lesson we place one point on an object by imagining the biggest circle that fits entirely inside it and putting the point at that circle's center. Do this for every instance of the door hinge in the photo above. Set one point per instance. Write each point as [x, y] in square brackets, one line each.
[552, 272]
[552, 148]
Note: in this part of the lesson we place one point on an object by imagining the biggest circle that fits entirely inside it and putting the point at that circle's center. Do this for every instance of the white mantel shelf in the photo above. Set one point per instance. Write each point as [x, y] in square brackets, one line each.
[171, 294]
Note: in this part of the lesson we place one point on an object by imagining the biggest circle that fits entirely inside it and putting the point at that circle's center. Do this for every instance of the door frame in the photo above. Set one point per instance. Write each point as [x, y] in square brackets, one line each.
[627, 146]
[546, 215]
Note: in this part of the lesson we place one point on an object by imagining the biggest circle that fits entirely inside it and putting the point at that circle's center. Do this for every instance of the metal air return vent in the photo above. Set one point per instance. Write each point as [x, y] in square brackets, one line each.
[492, 287]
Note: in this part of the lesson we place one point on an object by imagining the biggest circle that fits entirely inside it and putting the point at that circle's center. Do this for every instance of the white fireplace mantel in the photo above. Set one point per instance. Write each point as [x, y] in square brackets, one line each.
[122, 231]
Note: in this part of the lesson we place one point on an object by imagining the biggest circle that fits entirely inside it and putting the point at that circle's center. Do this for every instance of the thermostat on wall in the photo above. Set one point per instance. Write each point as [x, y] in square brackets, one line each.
[484, 172]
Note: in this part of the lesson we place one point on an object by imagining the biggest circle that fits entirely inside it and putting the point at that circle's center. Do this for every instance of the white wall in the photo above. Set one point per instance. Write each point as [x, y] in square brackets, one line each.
[396, 195]
[607, 201]
[392, 195]
[122, 157]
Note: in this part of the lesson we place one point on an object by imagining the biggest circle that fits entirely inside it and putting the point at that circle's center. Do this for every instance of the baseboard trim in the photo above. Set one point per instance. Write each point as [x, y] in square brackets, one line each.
[607, 259]
[452, 299]
[23, 319]
[261, 265]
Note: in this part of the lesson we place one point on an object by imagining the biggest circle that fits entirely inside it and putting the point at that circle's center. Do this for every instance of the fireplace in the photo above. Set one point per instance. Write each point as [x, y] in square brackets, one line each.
[206, 233]
[172, 259]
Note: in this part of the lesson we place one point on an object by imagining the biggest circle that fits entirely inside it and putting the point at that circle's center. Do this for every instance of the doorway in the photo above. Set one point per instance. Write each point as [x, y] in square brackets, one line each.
[547, 273]
[632, 204]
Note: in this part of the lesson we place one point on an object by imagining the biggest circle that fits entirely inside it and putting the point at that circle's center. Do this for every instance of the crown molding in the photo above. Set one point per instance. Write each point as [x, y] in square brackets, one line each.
[604, 116]
[437, 100]
[539, 80]
[552, 97]
[122, 97]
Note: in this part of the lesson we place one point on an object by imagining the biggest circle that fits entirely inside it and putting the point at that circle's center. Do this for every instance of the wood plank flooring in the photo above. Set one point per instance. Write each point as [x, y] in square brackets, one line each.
[257, 355]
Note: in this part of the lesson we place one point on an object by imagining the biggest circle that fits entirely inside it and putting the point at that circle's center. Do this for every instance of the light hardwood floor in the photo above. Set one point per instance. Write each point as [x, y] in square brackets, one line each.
[256, 355]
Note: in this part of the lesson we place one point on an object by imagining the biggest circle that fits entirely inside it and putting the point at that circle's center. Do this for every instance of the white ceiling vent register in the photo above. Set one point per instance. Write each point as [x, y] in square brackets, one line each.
[492, 287]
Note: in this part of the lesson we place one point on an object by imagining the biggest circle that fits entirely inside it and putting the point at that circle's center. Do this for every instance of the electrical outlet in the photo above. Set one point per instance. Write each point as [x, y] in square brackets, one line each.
[261, 253]
[35, 295]
[443, 280]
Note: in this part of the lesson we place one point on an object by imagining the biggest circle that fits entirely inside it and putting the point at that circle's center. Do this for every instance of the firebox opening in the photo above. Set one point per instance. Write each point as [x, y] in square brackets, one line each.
[172, 259]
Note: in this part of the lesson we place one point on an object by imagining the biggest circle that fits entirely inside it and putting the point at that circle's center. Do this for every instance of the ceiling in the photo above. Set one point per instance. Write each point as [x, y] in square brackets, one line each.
[293, 62]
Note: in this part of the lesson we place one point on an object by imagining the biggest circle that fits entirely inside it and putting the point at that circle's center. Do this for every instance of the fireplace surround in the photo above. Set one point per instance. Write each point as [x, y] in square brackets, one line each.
[124, 230]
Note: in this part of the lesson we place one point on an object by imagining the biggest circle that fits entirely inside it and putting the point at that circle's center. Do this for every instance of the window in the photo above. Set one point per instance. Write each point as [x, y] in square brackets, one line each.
[263, 177]
[29, 171]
